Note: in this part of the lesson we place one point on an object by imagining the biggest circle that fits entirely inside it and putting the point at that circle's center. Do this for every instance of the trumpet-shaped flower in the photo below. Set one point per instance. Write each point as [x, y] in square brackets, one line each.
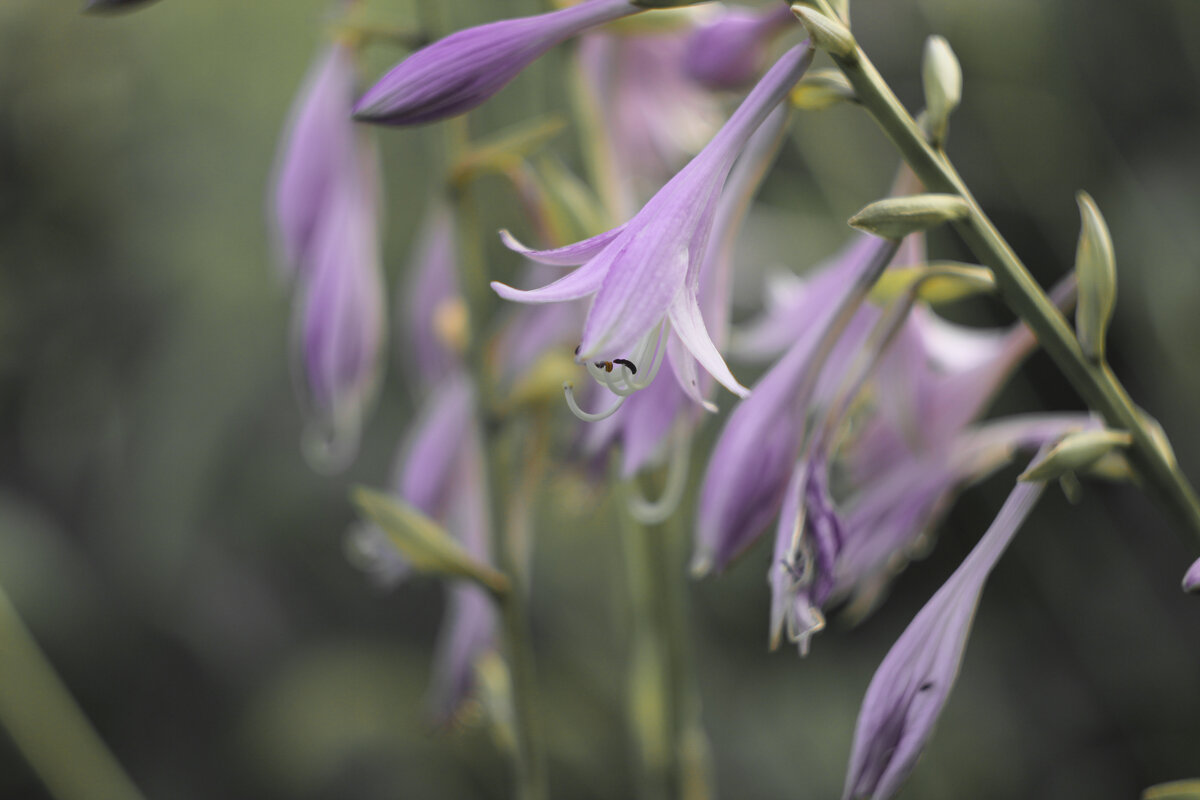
[910, 688]
[460, 72]
[728, 52]
[647, 272]
[750, 466]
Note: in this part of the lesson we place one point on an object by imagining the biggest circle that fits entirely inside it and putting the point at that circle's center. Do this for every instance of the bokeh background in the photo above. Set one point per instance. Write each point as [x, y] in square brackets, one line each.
[183, 568]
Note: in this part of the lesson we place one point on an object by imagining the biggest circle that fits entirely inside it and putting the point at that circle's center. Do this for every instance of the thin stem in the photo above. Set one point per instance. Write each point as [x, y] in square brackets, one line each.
[48, 726]
[1094, 382]
[530, 766]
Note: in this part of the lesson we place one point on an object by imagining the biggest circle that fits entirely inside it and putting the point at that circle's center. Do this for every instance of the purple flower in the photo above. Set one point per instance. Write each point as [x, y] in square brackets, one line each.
[341, 332]
[911, 686]
[1191, 581]
[647, 272]
[728, 52]
[655, 117]
[749, 467]
[884, 522]
[646, 419]
[115, 5]
[466, 68]
[316, 151]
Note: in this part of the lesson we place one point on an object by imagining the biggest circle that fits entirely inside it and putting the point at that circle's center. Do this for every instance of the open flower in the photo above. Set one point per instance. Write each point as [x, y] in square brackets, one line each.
[647, 271]
[460, 72]
[910, 688]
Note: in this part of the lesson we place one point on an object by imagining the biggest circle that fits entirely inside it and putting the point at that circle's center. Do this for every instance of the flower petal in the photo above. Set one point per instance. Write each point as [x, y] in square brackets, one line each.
[688, 325]
[569, 256]
[580, 283]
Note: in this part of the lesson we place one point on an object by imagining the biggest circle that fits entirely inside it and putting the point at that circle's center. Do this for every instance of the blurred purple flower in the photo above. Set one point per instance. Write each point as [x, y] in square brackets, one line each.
[341, 306]
[460, 72]
[315, 153]
[647, 271]
[1191, 581]
[729, 52]
[115, 5]
[911, 686]
[429, 291]
[654, 116]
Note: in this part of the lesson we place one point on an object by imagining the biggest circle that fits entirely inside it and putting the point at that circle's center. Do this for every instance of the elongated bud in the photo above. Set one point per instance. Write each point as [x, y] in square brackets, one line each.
[828, 34]
[1097, 271]
[1075, 452]
[943, 86]
[896, 217]
[104, 6]
[821, 89]
[937, 282]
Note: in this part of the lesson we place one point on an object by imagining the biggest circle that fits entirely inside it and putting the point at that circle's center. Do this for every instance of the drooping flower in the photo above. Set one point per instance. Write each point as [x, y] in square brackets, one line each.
[460, 72]
[647, 272]
[910, 688]
[750, 466]
[728, 52]
[645, 422]
[881, 524]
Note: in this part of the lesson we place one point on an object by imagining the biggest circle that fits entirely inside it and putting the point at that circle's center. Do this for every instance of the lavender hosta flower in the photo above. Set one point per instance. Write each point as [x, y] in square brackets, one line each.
[729, 52]
[460, 72]
[341, 333]
[644, 423]
[748, 471]
[910, 688]
[647, 272]
[654, 117]
[884, 522]
[317, 151]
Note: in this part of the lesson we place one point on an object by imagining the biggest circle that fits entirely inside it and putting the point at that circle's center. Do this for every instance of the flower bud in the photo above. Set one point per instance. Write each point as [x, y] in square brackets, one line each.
[1075, 452]
[728, 53]
[1097, 271]
[943, 86]
[896, 217]
[828, 34]
[1191, 581]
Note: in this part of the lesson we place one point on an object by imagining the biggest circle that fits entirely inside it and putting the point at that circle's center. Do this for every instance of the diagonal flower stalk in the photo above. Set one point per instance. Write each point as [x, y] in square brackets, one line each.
[1093, 380]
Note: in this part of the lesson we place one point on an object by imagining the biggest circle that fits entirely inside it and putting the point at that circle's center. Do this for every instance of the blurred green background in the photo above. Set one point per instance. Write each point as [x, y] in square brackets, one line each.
[183, 568]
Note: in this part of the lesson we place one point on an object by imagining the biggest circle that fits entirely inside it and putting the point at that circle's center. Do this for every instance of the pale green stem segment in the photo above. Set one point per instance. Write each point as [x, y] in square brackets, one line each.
[664, 697]
[47, 725]
[531, 782]
[1095, 382]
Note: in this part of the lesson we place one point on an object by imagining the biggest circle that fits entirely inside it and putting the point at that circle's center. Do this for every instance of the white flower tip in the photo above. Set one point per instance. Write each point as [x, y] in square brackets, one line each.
[1191, 581]
[512, 243]
[702, 563]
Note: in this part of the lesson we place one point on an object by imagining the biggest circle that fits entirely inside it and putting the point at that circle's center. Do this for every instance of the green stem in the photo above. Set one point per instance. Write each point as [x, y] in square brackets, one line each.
[530, 766]
[47, 725]
[1094, 382]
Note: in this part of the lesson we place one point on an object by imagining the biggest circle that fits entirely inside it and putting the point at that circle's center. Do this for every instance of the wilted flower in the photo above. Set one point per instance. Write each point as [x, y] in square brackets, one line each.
[910, 688]
[466, 68]
[728, 52]
[647, 272]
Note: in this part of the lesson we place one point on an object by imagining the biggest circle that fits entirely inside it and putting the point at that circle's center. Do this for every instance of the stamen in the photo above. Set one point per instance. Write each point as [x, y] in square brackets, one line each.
[569, 394]
[658, 511]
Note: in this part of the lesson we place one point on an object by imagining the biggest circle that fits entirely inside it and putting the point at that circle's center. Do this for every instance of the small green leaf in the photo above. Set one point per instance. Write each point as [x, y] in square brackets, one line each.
[821, 89]
[942, 77]
[427, 545]
[831, 35]
[896, 217]
[1076, 451]
[1176, 790]
[1096, 269]
[940, 282]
